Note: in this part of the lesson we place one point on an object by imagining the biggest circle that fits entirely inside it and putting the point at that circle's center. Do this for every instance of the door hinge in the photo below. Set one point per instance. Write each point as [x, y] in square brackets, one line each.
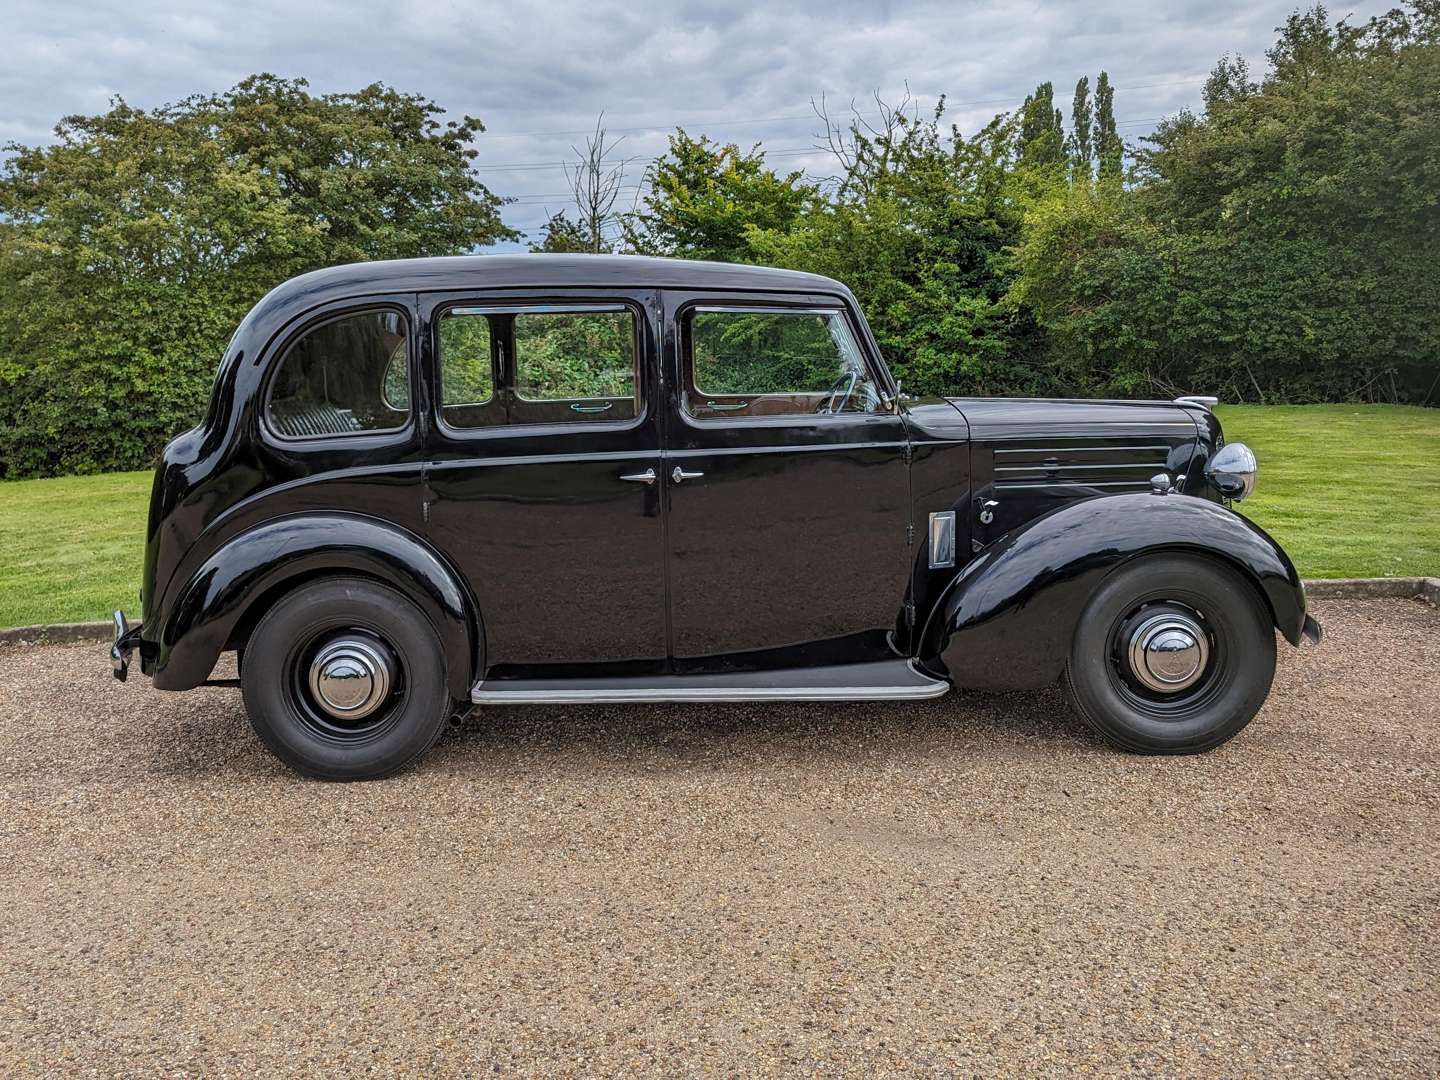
[907, 455]
[909, 534]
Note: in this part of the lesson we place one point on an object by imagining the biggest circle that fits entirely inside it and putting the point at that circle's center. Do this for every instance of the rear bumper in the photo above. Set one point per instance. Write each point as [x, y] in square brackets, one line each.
[127, 640]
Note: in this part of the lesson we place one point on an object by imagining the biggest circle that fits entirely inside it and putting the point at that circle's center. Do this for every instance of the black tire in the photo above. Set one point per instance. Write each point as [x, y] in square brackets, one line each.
[1101, 679]
[294, 723]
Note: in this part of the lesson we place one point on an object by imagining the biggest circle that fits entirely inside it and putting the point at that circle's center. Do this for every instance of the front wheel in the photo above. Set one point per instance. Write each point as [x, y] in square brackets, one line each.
[1174, 654]
[345, 679]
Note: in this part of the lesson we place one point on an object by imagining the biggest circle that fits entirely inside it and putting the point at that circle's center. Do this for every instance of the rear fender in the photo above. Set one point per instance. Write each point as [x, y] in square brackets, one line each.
[208, 609]
[1008, 618]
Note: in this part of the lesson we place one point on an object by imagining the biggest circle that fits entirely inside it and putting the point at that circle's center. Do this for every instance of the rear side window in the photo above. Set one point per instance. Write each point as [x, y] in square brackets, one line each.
[466, 339]
[344, 376]
[575, 365]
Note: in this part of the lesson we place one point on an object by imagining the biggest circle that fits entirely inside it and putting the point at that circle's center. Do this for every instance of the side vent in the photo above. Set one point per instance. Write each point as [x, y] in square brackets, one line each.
[1104, 470]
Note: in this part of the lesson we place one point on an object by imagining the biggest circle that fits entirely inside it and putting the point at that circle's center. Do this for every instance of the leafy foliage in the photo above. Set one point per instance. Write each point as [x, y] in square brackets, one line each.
[569, 355]
[1281, 246]
[704, 197]
[1278, 245]
[134, 244]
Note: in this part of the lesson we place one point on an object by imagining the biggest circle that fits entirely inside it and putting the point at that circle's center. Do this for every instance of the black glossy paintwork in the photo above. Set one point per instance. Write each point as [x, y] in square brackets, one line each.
[803, 544]
[565, 559]
[792, 544]
[1008, 619]
[1033, 456]
[273, 557]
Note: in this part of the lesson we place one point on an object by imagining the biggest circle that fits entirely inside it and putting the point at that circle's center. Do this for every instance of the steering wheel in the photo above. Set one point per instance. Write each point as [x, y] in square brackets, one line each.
[833, 402]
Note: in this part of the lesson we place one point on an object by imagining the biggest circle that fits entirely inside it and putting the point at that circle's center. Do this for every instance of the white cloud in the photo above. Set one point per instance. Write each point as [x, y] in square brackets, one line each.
[538, 72]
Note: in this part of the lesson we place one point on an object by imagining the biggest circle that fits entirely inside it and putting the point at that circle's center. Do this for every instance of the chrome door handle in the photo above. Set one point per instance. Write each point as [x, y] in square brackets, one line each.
[646, 477]
[679, 475]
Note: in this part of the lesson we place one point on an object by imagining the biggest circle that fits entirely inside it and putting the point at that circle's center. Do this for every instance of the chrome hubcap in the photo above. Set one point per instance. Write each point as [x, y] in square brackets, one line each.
[1168, 652]
[350, 678]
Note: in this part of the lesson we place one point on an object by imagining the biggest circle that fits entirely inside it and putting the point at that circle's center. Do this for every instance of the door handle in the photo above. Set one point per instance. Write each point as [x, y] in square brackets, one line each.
[646, 477]
[726, 406]
[679, 475]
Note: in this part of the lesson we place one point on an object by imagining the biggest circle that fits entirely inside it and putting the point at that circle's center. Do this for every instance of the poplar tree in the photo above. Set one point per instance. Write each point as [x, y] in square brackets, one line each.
[1042, 129]
[1108, 147]
[1082, 119]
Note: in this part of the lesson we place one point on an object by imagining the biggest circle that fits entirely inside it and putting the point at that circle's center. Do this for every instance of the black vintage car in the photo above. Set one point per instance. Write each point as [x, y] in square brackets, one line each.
[426, 485]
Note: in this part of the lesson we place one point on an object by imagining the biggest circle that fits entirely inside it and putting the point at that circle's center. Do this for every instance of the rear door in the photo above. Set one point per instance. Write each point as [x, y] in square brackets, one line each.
[541, 483]
[786, 485]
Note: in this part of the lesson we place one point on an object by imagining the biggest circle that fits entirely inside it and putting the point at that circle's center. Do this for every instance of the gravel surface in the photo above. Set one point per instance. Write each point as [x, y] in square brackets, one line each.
[970, 885]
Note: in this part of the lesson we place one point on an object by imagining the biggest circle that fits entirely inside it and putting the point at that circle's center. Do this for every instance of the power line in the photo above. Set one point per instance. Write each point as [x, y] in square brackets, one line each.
[784, 151]
[784, 119]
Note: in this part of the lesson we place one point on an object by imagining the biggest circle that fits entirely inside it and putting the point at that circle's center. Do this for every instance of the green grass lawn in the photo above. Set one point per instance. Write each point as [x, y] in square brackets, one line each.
[1350, 490]
[71, 548]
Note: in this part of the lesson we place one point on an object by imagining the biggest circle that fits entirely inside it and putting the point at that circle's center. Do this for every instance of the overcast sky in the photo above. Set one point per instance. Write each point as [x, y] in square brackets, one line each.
[539, 73]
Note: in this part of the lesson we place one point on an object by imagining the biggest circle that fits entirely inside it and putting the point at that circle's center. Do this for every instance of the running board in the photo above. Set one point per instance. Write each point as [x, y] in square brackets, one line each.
[886, 680]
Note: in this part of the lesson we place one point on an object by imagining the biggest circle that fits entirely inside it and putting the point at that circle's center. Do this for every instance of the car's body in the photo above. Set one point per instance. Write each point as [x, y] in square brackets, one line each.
[659, 540]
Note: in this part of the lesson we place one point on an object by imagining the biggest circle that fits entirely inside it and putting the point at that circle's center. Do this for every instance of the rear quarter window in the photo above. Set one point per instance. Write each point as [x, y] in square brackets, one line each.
[343, 376]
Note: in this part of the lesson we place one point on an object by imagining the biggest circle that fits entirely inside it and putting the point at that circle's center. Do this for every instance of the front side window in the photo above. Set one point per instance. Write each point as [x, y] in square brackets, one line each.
[344, 376]
[775, 363]
[574, 366]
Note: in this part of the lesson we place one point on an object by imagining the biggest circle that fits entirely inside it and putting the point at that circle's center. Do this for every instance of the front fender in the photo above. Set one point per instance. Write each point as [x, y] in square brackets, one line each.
[1008, 618]
[208, 608]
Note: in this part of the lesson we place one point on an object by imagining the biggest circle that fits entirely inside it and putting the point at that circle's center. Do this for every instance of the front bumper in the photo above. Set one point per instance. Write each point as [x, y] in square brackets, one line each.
[127, 640]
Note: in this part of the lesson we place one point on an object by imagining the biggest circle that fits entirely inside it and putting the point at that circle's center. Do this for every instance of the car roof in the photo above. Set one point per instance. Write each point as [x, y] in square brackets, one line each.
[521, 271]
[301, 295]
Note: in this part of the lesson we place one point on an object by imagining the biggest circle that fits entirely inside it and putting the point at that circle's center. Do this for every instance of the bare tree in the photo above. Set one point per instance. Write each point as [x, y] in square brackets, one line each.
[595, 182]
[861, 148]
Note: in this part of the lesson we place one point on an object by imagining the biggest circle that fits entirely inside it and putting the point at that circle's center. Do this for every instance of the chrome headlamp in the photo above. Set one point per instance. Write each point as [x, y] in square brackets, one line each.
[1232, 470]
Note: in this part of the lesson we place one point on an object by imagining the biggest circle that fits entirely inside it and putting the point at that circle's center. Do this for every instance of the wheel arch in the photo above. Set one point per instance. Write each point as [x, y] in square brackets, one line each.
[223, 601]
[1008, 618]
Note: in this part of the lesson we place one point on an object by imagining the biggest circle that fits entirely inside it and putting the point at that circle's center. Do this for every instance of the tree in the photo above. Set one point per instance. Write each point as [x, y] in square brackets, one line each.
[136, 241]
[1042, 130]
[1109, 150]
[1082, 133]
[1280, 245]
[703, 197]
[1081, 145]
[918, 228]
[595, 182]
[562, 235]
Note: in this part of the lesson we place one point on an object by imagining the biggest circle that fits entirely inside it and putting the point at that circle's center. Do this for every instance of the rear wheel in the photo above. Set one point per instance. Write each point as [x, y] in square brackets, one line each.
[344, 679]
[1174, 654]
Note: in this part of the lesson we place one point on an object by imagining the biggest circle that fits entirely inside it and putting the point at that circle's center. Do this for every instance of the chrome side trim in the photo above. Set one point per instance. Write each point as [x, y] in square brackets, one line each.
[930, 688]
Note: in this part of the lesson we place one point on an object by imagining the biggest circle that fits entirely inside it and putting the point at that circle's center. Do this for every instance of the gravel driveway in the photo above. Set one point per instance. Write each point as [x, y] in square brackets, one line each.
[968, 885]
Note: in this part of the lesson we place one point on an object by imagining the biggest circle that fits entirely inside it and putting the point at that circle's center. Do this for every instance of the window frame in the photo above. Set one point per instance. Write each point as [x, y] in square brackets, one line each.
[504, 365]
[278, 354]
[685, 347]
[496, 399]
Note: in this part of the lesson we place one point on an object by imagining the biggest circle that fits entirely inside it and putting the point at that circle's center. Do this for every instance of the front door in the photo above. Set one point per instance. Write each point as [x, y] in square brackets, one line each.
[542, 474]
[786, 486]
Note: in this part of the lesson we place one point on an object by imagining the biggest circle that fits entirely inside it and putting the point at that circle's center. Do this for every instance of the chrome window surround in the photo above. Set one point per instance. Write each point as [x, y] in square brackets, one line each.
[687, 360]
[275, 355]
[540, 427]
